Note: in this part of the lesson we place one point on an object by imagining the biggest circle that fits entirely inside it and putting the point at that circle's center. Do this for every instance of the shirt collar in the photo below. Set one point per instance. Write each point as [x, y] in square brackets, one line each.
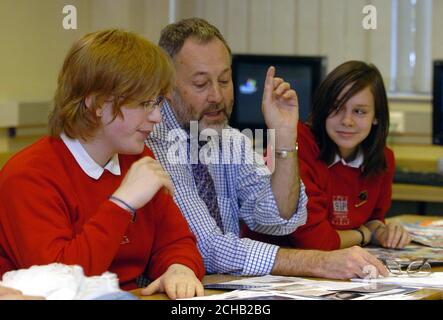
[169, 123]
[84, 160]
[356, 163]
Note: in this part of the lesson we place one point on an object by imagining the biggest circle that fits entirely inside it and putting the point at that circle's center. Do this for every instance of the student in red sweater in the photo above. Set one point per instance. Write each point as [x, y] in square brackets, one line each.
[345, 165]
[91, 193]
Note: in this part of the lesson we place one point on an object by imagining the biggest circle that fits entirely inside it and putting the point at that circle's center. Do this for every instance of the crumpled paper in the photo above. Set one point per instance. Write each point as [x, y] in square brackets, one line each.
[58, 281]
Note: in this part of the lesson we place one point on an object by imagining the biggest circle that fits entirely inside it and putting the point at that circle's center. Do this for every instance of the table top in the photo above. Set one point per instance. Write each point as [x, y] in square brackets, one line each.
[423, 294]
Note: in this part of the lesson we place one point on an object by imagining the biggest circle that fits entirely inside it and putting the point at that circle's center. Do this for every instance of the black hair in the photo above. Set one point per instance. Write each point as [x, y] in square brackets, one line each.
[359, 75]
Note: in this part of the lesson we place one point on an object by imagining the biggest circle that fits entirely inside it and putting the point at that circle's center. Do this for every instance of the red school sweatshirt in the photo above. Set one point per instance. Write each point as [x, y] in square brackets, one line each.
[52, 211]
[339, 198]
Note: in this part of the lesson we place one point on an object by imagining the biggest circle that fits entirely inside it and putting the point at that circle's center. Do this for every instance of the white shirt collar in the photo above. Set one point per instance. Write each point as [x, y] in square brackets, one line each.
[84, 160]
[356, 163]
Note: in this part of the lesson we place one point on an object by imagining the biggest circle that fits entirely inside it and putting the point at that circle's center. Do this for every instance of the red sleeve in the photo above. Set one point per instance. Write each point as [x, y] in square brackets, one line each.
[174, 242]
[5, 264]
[38, 229]
[385, 196]
[317, 233]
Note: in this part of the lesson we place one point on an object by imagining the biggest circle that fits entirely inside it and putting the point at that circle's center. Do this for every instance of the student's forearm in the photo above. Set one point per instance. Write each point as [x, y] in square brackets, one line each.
[285, 180]
[354, 237]
[373, 225]
[349, 238]
[376, 227]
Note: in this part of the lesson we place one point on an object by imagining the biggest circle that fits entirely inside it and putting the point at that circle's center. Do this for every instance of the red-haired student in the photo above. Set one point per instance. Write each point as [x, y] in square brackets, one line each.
[91, 193]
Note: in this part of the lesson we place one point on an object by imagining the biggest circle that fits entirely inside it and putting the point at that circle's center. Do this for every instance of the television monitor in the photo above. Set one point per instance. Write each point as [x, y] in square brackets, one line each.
[304, 73]
[437, 103]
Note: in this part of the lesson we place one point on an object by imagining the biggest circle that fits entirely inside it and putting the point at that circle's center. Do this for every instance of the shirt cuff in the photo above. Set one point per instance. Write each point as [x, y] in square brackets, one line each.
[260, 258]
[278, 226]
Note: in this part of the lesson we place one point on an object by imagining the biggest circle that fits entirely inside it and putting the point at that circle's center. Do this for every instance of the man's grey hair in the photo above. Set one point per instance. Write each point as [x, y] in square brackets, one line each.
[174, 35]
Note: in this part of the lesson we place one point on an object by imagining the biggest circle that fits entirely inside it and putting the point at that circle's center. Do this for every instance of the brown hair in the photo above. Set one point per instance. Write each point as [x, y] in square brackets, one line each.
[325, 102]
[174, 35]
[107, 64]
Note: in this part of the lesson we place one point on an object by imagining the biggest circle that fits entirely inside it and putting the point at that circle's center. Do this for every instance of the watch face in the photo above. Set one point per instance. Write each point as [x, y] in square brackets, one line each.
[282, 154]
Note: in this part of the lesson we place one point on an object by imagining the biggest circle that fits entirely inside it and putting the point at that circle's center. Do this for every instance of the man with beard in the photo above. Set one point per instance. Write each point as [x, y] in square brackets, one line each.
[215, 196]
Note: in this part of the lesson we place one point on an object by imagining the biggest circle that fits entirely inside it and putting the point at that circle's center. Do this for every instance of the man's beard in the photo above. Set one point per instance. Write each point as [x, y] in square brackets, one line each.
[185, 114]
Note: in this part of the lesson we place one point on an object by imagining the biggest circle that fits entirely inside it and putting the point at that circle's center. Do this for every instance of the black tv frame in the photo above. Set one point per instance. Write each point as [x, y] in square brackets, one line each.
[317, 63]
[437, 103]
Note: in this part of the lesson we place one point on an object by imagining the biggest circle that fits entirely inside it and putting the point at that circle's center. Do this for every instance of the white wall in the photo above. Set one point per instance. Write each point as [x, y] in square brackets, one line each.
[305, 27]
[34, 43]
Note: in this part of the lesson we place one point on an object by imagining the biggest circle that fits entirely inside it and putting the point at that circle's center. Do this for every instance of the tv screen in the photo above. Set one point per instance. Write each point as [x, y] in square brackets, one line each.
[249, 72]
[437, 103]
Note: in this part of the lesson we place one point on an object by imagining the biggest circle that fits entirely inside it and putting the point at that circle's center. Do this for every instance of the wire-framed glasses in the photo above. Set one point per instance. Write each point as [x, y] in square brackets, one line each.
[415, 268]
[149, 105]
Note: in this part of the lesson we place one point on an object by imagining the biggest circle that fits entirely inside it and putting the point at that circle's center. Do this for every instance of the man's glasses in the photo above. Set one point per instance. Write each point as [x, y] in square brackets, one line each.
[416, 268]
[150, 105]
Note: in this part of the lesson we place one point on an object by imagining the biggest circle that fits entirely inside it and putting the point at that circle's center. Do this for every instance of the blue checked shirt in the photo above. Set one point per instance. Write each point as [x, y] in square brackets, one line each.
[244, 193]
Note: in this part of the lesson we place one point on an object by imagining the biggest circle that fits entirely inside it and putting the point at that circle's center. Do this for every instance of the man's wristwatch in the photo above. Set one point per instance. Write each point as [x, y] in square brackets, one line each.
[286, 153]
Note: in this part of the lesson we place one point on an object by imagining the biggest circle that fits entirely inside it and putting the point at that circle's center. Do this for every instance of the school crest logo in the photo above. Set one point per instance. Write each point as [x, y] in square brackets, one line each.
[340, 211]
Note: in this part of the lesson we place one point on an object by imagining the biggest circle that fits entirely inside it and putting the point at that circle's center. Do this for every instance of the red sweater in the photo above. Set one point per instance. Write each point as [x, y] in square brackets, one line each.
[335, 198]
[51, 211]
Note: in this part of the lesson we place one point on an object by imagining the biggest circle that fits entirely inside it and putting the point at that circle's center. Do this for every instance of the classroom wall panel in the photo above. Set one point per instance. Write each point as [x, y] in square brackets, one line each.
[214, 11]
[37, 43]
[261, 23]
[437, 27]
[283, 28]
[331, 25]
[186, 9]
[355, 38]
[380, 45]
[156, 17]
[423, 72]
[33, 45]
[106, 15]
[307, 18]
[237, 27]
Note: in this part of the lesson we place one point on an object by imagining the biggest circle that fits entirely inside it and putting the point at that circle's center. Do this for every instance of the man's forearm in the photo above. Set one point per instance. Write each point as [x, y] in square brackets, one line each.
[285, 180]
[285, 184]
[293, 262]
[338, 264]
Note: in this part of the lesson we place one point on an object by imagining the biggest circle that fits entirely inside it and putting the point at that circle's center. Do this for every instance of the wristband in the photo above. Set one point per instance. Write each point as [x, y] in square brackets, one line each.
[129, 208]
[363, 241]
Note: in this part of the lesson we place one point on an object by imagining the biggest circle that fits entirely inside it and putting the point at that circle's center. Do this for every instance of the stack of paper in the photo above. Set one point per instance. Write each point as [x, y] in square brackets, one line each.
[427, 233]
[434, 280]
[294, 288]
[409, 253]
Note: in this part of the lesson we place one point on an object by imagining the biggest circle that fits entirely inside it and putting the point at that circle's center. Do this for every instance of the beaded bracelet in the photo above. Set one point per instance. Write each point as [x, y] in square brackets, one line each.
[131, 209]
